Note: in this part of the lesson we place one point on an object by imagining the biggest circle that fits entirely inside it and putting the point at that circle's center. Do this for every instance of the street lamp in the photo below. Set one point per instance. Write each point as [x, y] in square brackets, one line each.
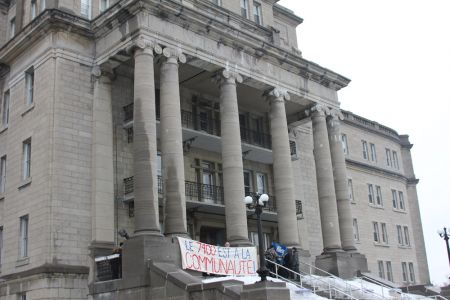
[445, 235]
[257, 202]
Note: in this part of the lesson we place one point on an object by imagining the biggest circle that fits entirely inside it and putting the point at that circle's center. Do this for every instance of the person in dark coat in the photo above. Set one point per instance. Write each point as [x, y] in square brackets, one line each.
[294, 263]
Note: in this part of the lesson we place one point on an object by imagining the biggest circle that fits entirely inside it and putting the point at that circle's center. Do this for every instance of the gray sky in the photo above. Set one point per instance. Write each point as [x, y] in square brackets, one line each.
[397, 54]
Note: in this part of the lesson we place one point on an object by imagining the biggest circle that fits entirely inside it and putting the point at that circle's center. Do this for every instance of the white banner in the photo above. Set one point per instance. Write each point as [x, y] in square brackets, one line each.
[216, 259]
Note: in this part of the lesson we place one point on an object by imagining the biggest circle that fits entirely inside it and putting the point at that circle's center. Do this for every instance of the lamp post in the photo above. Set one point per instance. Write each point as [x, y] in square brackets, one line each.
[445, 235]
[257, 202]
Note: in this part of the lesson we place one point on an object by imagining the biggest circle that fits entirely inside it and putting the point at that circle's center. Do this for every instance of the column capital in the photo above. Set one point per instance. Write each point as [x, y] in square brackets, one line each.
[146, 45]
[277, 94]
[318, 110]
[174, 55]
[103, 72]
[227, 76]
[336, 114]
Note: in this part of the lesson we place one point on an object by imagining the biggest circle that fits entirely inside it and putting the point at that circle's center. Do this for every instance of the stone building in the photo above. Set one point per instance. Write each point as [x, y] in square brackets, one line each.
[158, 117]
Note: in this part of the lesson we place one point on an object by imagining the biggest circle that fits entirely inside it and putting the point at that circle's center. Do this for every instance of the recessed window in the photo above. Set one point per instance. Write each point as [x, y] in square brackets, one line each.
[404, 272]
[257, 13]
[22, 296]
[248, 182]
[29, 86]
[85, 8]
[401, 200]
[104, 5]
[390, 276]
[394, 199]
[12, 27]
[344, 143]
[399, 235]
[33, 9]
[43, 5]
[407, 240]
[376, 232]
[388, 158]
[395, 160]
[261, 183]
[384, 234]
[355, 230]
[412, 277]
[350, 190]
[253, 237]
[244, 8]
[26, 159]
[371, 193]
[293, 148]
[23, 243]
[3, 174]
[5, 109]
[365, 150]
[373, 152]
[380, 269]
[379, 196]
[1, 245]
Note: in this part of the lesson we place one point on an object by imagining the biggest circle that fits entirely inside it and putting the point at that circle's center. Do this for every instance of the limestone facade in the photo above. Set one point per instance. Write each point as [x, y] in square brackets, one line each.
[88, 152]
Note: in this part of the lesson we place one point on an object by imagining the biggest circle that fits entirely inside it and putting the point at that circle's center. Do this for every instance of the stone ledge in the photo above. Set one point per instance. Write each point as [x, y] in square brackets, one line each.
[47, 269]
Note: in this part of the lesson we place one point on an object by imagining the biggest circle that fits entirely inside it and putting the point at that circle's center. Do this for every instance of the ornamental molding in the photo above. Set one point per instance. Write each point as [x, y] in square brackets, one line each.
[227, 76]
[172, 53]
[142, 43]
[277, 94]
[318, 110]
[336, 114]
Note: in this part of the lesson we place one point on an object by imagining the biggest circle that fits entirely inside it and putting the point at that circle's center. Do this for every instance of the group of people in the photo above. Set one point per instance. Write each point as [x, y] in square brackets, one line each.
[281, 255]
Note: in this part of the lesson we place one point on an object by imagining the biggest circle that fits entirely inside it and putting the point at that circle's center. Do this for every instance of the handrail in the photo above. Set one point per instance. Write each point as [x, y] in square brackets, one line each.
[383, 286]
[345, 283]
[331, 288]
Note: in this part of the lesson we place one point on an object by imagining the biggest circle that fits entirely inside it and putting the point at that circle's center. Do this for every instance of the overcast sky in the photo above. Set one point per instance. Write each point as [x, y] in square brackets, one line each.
[397, 54]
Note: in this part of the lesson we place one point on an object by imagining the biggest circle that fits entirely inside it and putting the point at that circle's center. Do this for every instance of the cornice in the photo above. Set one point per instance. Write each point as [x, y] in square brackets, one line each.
[287, 14]
[368, 125]
[377, 170]
[50, 19]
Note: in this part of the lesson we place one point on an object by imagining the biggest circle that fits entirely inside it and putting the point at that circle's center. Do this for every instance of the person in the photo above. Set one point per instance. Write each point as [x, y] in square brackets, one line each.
[270, 255]
[227, 244]
[293, 263]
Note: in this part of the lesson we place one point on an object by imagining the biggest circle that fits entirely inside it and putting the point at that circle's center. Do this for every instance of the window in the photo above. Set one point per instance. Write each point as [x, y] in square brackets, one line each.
[406, 231]
[2, 174]
[388, 157]
[261, 183]
[12, 27]
[33, 9]
[389, 274]
[412, 277]
[380, 269]
[379, 197]
[26, 160]
[5, 110]
[365, 150]
[85, 8]
[253, 236]
[355, 230]
[373, 152]
[104, 4]
[1, 245]
[384, 234]
[158, 164]
[22, 296]
[217, 2]
[257, 14]
[29, 86]
[376, 232]
[207, 173]
[350, 190]
[248, 184]
[395, 160]
[404, 271]
[43, 5]
[293, 147]
[344, 143]
[401, 200]
[394, 199]
[244, 7]
[399, 235]
[371, 194]
[23, 243]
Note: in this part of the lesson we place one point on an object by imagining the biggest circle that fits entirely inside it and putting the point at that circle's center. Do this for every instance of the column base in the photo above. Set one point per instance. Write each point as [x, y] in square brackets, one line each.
[342, 264]
[265, 290]
[139, 250]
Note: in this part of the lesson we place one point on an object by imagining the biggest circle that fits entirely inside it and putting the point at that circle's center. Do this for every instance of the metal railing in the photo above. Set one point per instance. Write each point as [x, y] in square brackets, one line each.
[128, 112]
[198, 191]
[257, 138]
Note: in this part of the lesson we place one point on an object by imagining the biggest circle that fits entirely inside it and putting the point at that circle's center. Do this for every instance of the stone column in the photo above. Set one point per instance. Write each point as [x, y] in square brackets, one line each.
[144, 141]
[172, 145]
[341, 181]
[325, 182]
[282, 169]
[102, 163]
[233, 178]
